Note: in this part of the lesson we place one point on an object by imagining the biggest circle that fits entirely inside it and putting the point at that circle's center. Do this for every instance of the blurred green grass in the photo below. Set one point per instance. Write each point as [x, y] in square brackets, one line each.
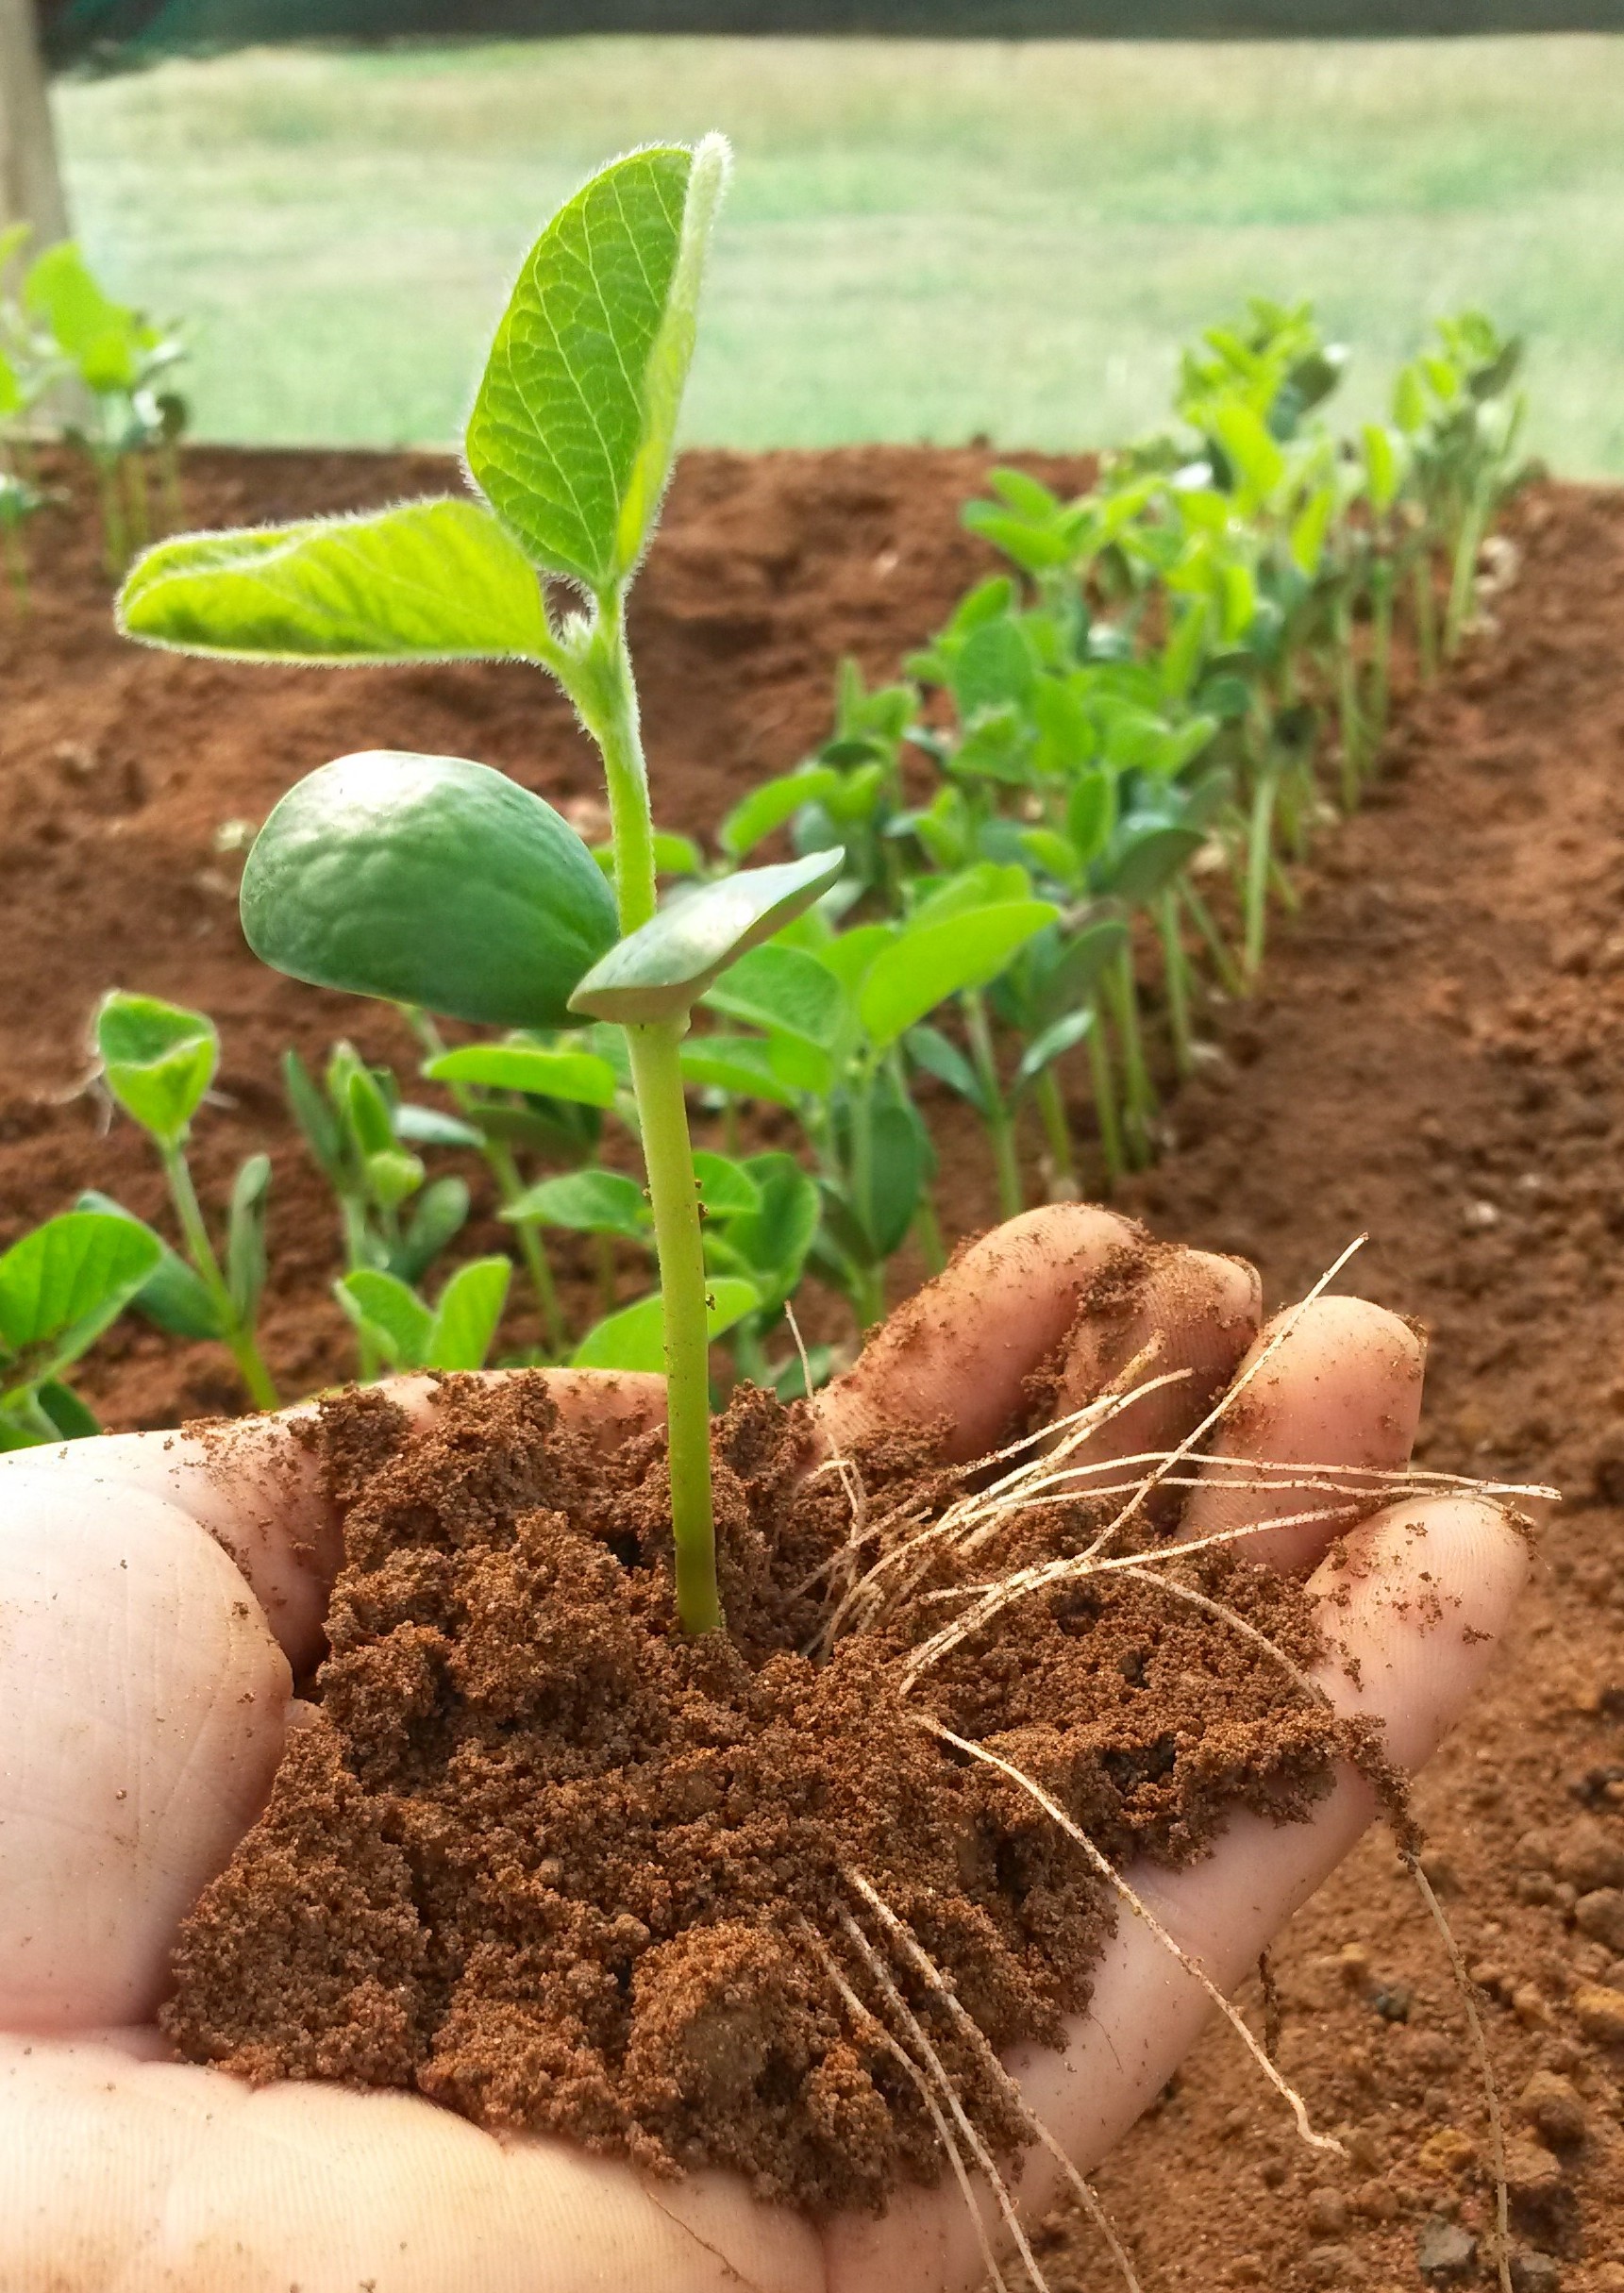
[925, 240]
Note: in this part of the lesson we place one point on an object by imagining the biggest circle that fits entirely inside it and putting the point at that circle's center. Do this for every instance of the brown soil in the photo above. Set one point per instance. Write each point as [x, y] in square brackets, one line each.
[542, 1858]
[1436, 1058]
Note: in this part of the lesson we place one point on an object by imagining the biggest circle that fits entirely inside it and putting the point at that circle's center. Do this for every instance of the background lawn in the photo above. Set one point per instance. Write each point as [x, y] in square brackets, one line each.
[926, 240]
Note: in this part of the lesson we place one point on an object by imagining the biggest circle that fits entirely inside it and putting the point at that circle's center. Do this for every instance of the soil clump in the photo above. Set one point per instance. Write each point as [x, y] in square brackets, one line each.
[547, 1861]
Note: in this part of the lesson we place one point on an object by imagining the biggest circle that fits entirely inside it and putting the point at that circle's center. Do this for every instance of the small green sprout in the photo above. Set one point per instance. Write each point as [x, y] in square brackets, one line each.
[158, 1061]
[60, 1286]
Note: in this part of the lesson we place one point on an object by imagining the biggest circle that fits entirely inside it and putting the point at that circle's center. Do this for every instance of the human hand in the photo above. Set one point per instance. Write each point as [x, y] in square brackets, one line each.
[157, 1592]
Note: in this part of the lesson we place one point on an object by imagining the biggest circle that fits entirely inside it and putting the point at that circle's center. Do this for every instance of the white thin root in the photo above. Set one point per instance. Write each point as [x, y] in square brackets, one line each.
[1142, 1910]
[1485, 2066]
[865, 2020]
[977, 2146]
[942, 1988]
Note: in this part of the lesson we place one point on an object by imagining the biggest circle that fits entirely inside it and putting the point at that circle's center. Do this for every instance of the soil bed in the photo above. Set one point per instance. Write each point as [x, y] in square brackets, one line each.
[1437, 1057]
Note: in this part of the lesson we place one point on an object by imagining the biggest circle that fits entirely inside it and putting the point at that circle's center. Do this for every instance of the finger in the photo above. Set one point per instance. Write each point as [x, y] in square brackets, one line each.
[255, 1485]
[165, 2178]
[1342, 1388]
[141, 1705]
[1417, 1606]
[1073, 1277]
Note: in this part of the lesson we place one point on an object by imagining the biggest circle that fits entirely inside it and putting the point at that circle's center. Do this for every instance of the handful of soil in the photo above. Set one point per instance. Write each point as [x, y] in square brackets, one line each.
[542, 1858]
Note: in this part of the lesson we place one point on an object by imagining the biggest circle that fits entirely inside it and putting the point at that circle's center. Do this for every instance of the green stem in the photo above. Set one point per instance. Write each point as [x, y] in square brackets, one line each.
[1138, 1096]
[1206, 924]
[509, 1187]
[238, 1337]
[928, 1233]
[1178, 967]
[607, 696]
[1260, 852]
[1380, 654]
[995, 1112]
[115, 541]
[657, 1076]
[1105, 1111]
[1347, 709]
[1057, 1130]
[1425, 616]
[136, 494]
[1461, 577]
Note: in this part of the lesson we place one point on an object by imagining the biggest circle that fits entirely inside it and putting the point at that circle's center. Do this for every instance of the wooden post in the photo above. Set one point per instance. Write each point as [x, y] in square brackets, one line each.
[30, 181]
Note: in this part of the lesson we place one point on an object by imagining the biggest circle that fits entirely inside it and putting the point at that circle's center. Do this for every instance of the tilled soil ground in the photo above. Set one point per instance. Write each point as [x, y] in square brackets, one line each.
[1437, 1059]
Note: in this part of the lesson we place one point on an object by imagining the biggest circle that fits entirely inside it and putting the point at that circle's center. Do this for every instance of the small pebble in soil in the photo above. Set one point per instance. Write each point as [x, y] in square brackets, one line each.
[1589, 1855]
[1333, 2266]
[1601, 1915]
[1599, 2013]
[1552, 2103]
[1534, 2273]
[1445, 2252]
[1328, 2213]
[1392, 2001]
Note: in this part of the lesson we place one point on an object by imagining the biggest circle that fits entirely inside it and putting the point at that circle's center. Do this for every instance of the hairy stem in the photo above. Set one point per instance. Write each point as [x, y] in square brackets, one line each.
[1425, 616]
[1260, 852]
[1178, 968]
[1105, 1111]
[1057, 1132]
[995, 1112]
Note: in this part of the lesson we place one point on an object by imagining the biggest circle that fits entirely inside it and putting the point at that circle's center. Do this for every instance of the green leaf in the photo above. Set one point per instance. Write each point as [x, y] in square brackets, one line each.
[157, 1059]
[933, 961]
[740, 1064]
[572, 433]
[394, 1316]
[314, 1114]
[72, 1418]
[393, 1176]
[467, 1319]
[371, 1117]
[1055, 1041]
[767, 807]
[850, 957]
[578, 1076]
[726, 1187]
[1246, 440]
[665, 967]
[1147, 859]
[981, 884]
[588, 1201]
[1091, 814]
[63, 1283]
[429, 580]
[772, 1239]
[782, 988]
[930, 1048]
[429, 880]
[438, 1217]
[245, 1236]
[432, 1127]
[173, 1297]
[635, 1337]
[99, 335]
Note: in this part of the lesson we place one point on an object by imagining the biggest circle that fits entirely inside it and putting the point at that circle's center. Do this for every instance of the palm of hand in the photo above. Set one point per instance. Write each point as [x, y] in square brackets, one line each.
[152, 1593]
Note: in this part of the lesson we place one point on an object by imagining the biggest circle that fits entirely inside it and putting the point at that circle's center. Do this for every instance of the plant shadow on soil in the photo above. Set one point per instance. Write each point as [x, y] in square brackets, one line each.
[1436, 1058]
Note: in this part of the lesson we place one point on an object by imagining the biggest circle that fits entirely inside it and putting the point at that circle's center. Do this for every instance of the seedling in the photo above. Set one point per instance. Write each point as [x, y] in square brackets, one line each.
[435, 881]
[60, 1286]
[158, 1061]
[395, 1326]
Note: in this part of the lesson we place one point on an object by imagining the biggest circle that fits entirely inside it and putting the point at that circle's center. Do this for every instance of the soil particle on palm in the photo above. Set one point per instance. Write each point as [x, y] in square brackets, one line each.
[543, 1859]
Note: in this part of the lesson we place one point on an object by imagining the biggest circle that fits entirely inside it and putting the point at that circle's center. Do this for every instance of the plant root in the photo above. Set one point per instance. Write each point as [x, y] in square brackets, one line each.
[1142, 1910]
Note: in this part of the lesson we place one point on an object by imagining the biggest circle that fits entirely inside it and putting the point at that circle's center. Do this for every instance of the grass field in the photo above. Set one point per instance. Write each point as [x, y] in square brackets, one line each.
[924, 242]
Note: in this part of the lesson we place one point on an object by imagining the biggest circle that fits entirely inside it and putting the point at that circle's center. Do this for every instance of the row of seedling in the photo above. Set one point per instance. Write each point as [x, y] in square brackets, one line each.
[1105, 766]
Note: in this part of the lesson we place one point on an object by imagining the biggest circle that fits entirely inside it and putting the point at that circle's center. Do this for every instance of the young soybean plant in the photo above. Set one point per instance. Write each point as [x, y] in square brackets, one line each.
[438, 883]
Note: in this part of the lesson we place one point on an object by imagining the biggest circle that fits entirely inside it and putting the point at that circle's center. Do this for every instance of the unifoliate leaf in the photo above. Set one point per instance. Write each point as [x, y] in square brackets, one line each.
[429, 880]
[245, 1236]
[314, 1115]
[432, 1127]
[635, 1337]
[774, 1239]
[1055, 1041]
[897, 1181]
[438, 1215]
[573, 430]
[71, 1418]
[1070, 970]
[1091, 814]
[726, 1187]
[850, 957]
[371, 1117]
[590, 1202]
[665, 967]
[157, 1059]
[396, 1318]
[768, 806]
[99, 335]
[930, 1048]
[63, 1283]
[467, 1315]
[742, 1065]
[782, 988]
[173, 1297]
[429, 580]
[1146, 859]
[933, 961]
[578, 1075]
[981, 884]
